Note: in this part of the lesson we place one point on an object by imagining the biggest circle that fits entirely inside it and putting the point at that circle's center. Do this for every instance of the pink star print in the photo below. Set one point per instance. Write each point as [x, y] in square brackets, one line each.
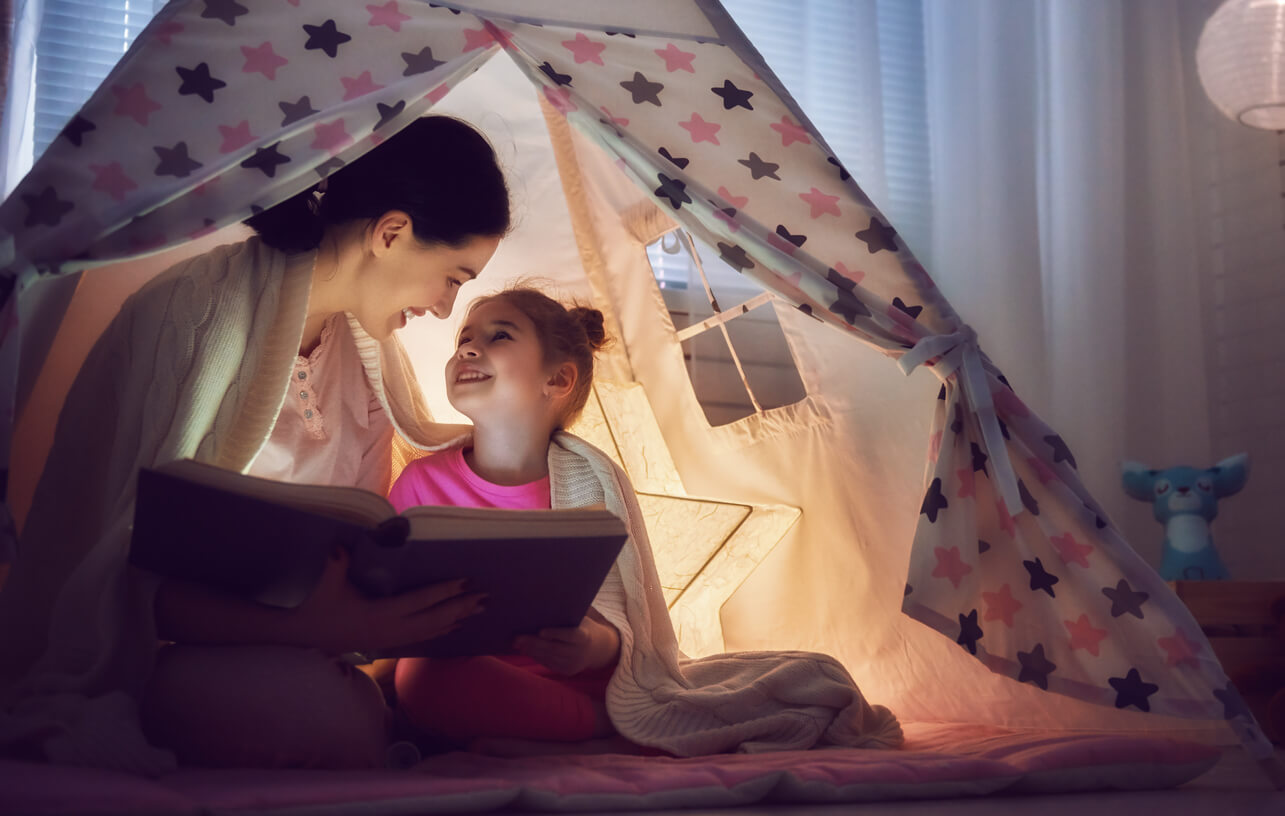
[790, 132]
[358, 86]
[167, 30]
[854, 275]
[236, 137]
[821, 203]
[950, 566]
[1084, 635]
[437, 93]
[1001, 605]
[585, 49]
[786, 247]
[967, 485]
[560, 99]
[676, 59]
[616, 120]
[1009, 404]
[134, 102]
[1042, 471]
[387, 15]
[262, 60]
[1005, 520]
[475, 38]
[1180, 649]
[701, 130]
[736, 202]
[934, 446]
[1072, 552]
[331, 137]
[111, 179]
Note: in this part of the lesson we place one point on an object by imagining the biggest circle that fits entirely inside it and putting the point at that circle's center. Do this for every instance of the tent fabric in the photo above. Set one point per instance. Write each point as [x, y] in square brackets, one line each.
[240, 105]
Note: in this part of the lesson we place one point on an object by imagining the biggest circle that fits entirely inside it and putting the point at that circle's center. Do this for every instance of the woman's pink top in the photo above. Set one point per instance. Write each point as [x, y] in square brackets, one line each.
[331, 429]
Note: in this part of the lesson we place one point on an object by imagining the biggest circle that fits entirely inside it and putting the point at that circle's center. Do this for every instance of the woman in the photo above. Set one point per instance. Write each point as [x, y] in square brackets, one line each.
[275, 357]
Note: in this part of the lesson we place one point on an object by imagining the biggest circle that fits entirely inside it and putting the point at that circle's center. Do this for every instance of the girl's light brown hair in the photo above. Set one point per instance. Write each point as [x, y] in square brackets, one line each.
[566, 334]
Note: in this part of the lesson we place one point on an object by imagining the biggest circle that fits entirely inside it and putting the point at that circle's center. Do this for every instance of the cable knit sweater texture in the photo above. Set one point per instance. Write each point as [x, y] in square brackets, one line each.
[197, 365]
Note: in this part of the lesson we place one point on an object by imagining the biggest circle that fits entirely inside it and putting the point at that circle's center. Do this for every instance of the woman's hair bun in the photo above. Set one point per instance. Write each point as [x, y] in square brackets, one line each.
[592, 322]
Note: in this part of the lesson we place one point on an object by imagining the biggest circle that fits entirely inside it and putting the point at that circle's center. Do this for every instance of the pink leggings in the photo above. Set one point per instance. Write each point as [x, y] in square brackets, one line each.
[470, 697]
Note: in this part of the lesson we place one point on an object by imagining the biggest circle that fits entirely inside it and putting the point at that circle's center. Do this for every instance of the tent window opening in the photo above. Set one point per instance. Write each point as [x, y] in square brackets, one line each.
[736, 354]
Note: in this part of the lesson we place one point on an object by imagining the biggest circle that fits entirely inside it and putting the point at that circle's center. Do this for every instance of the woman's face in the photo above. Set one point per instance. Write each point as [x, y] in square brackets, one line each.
[412, 279]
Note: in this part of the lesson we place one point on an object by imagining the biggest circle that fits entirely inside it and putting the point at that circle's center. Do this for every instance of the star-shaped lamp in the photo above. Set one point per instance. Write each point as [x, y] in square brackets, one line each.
[704, 548]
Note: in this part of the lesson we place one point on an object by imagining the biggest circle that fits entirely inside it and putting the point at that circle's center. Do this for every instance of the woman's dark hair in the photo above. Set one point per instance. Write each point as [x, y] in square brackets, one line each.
[566, 334]
[438, 170]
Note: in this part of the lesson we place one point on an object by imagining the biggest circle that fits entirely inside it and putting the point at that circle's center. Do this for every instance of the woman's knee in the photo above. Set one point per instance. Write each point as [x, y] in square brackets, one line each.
[264, 706]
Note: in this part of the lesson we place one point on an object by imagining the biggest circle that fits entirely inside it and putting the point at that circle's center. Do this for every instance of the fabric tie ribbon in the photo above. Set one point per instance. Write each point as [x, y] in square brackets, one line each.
[960, 355]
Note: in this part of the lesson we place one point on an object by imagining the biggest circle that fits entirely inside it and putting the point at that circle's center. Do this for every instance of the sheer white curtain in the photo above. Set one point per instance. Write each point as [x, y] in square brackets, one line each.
[1084, 212]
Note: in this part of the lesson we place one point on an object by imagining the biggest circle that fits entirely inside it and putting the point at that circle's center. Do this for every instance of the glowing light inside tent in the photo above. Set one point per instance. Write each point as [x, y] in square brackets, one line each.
[1240, 58]
[704, 548]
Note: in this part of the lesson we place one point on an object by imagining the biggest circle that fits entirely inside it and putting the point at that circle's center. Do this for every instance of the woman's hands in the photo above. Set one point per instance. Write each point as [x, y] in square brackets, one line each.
[337, 618]
[593, 644]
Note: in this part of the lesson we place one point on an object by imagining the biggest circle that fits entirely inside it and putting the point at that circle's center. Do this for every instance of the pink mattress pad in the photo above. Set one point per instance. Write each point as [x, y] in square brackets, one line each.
[938, 761]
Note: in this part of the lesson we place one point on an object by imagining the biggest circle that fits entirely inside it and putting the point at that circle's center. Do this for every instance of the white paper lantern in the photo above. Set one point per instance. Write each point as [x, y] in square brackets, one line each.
[1241, 61]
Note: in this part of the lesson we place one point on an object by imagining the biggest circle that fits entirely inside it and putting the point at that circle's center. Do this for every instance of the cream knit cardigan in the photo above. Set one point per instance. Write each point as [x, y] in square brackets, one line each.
[197, 365]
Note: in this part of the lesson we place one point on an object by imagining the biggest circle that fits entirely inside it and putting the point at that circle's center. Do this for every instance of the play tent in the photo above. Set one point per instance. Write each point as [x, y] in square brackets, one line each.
[929, 530]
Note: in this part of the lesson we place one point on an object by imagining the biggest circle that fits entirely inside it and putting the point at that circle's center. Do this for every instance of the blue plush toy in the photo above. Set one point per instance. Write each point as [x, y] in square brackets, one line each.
[1185, 500]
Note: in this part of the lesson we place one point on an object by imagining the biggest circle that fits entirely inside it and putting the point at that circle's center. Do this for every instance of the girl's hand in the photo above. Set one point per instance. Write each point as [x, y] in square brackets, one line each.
[337, 618]
[593, 644]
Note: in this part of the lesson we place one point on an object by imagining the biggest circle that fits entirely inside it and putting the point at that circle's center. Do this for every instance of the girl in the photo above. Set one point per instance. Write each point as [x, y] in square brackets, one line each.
[522, 371]
[275, 357]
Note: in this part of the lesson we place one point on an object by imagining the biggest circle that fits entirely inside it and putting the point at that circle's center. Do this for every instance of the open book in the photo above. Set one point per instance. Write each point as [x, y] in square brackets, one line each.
[268, 541]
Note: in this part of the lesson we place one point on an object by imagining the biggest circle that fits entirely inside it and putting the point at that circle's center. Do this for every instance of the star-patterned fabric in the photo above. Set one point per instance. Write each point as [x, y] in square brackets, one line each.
[225, 107]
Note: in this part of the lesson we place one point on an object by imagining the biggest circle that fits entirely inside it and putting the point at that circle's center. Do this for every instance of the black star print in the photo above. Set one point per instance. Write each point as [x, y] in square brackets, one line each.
[733, 97]
[1130, 690]
[734, 256]
[329, 166]
[678, 162]
[1124, 599]
[1028, 501]
[1003, 429]
[1035, 667]
[957, 424]
[295, 111]
[420, 63]
[760, 168]
[672, 189]
[846, 304]
[878, 236]
[620, 34]
[1040, 578]
[790, 238]
[76, 129]
[941, 393]
[388, 113]
[982, 546]
[326, 37]
[558, 79]
[266, 159]
[175, 161]
[969, 632]
[643, 89]
[1233, 704]
[45, 208]
[933, 501]
[1060, 450]
[843, 174]
[225, 10]
[198, 81]
[979, 459]
[913, 311]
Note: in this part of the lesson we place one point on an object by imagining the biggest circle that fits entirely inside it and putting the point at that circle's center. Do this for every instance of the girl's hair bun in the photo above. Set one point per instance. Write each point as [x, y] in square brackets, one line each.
[592, 323]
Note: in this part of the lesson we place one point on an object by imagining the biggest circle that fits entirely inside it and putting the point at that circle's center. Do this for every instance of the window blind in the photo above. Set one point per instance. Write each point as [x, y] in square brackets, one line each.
[78, 44]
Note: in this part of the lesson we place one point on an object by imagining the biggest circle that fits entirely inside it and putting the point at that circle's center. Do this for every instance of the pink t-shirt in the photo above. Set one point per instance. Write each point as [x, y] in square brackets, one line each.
[446, 479]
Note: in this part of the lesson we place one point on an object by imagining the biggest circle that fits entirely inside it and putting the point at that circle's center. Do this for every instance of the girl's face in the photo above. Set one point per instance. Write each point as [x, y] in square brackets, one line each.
[413, 279]
[498, 368]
